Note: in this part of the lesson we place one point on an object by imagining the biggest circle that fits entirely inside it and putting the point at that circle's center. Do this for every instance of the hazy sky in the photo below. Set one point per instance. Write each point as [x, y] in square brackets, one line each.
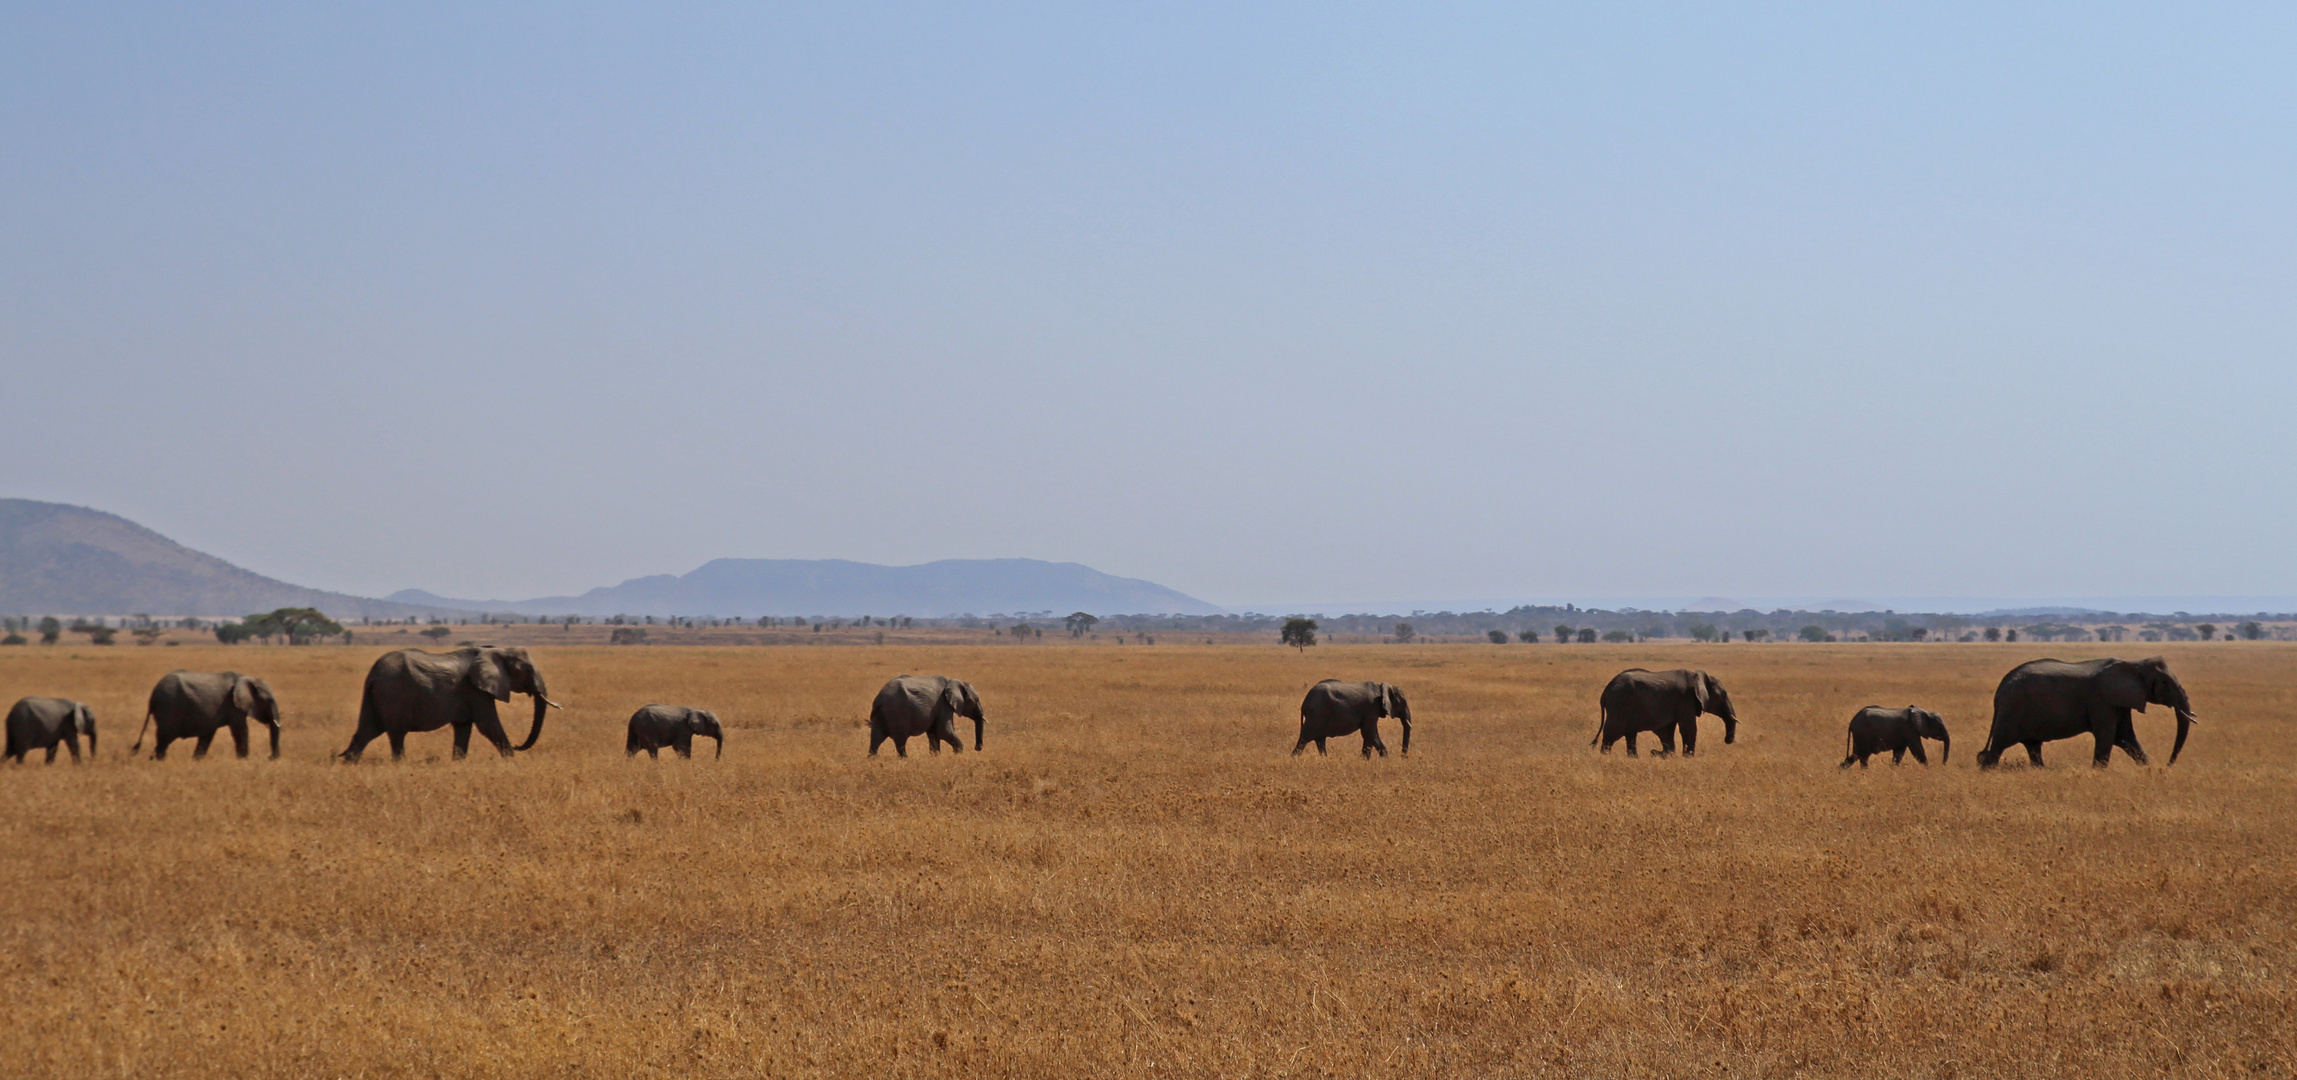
[1265, 303]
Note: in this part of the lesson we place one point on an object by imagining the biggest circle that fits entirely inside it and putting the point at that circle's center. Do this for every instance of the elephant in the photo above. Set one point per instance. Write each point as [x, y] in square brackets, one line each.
[657, 726]
[1660, 701]
[413, 690]
[2043, 700]
[39, 723]
[913, 705]
[1334, 708]
[1876, 729]
[193, 704]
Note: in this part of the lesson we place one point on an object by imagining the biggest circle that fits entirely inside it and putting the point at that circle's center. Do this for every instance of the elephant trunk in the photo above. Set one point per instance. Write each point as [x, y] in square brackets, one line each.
[1945, 748]
[541, 706]
[2184, 721]
[977, 723]
[1730, 727]
[91, 744]
[720, 739]
[274, 726]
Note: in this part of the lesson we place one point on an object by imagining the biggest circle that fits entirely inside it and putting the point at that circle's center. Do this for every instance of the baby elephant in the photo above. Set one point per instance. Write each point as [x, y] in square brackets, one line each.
[1876, 729]
[657, 726]
[39, 723]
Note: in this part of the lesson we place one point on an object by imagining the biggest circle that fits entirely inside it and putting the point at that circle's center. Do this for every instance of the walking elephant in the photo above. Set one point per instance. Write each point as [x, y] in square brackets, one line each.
[39, 723]
[413, 690]
[1334, 708]
[2042, 700]
[194, 704]
[1876, 729]
[657, 726]
[1659, 702]
[913, 705]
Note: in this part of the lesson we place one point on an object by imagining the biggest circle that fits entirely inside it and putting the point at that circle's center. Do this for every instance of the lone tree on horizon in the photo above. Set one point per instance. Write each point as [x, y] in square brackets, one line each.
[1080, 622]
[1299, 632]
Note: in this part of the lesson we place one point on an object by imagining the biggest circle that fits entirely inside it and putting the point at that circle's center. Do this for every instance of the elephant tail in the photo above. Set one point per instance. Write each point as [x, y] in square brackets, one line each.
[139, 745]
[1602, 720]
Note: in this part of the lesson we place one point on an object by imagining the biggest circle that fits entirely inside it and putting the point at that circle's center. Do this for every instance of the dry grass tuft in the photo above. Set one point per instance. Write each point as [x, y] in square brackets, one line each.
[1136, 880]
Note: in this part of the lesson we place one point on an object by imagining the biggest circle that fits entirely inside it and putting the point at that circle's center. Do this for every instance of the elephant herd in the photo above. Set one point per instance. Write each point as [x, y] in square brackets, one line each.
[411, 691]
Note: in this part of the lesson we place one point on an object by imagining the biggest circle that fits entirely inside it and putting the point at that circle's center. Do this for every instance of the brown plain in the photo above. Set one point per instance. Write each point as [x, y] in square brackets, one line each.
[1136, 880]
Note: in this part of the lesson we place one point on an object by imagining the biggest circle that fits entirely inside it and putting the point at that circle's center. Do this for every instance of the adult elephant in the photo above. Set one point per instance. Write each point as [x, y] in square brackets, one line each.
[39, 723]
[1659, 702]
[2042, 700]
[656, 726]
[1876, 729]
[194, 704]
[413, 690]
[912, 705]
[1334, 708]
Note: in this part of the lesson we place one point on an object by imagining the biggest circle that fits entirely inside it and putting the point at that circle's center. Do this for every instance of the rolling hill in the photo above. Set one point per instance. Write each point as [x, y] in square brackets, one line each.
[57, 559]
[838, 587]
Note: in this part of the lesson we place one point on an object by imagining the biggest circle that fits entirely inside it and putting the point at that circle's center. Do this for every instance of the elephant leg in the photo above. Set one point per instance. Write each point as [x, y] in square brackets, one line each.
[876, 739]
[901, 746]
[462, 741]
[490, 726]
[1666, 741]
[684, 746]
[199, 749]
[159, 747]
[398, 744]
[654, 753]
[949, 735]
[1631, 752]
[1690, 736]
[2125, 736]
[1372, 741]
[1915, 748]
[2034, 753]
[239, 739]
[1898, 756]
[1319, 747]
[51, 753]
[1303, 743]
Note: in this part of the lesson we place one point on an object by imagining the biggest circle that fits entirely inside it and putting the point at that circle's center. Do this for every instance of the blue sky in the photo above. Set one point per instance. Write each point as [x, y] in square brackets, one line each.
[1269, 304]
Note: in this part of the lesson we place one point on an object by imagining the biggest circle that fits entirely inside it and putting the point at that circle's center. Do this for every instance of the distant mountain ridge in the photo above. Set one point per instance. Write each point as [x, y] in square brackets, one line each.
[839, 587]
[57, 559]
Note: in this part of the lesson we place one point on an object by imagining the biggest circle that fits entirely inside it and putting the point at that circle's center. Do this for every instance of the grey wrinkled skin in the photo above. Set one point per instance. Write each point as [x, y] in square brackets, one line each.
[413, 690]
[1660, 702]
[656, 726]
[1900, 731]
[40, 723]
[928, 705]
[1334, 708]
[195, 704]
[2042, 700]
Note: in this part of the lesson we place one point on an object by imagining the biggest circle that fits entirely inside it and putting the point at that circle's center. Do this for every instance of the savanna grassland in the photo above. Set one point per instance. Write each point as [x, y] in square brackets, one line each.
[1136, 880]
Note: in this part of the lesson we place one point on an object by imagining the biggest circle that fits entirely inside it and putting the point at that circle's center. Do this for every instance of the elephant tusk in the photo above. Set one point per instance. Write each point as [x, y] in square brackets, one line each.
[552, 704]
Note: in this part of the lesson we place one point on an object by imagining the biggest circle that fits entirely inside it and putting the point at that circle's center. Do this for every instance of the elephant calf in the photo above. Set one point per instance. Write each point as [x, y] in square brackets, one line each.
[1661, 702]
[1876, 729]
[196, 704]
[912, 705]
[674, 726]
[39, 723]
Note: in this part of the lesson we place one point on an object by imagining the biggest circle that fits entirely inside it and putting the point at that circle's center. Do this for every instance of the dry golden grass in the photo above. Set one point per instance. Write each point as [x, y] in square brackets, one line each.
[1135, 880]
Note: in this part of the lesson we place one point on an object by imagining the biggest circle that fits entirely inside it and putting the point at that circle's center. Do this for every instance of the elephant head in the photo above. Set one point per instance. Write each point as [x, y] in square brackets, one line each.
[500, 672]
[958, 697]
[84, 720]
[1930, 725]
[2135, 684]
[705, 722]
[1715, 701]
[252, 697]
[1392, 703]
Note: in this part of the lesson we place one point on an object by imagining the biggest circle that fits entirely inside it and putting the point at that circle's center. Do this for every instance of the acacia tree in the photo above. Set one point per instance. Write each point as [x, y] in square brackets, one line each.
[1404, 633]
[1299, 632]
[1498, 637]
[1079, 622]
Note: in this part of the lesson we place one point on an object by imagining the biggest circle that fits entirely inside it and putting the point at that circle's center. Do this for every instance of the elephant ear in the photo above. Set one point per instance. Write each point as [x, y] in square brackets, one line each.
[83, 719]
[1699, 689]
[1387, 700]
[242, 695]
[2123, 687]
[487, 676]
[953, 696]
